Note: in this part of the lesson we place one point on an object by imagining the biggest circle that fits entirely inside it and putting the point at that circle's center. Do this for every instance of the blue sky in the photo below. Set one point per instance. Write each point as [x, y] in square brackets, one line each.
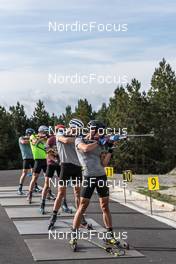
[28, 52]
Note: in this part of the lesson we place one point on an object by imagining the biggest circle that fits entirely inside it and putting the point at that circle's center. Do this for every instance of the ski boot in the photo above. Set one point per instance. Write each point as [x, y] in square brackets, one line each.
[73, 243]
[65, 208]
[73, 240]
[52, 222]
[29, 197]
[37, 189]
[84, 224]
[51, 196]
[42, 208]
[20, 192]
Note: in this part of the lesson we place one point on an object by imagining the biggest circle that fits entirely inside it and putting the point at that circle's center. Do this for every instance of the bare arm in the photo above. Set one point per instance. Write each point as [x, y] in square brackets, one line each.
[65, 140]
[105, 159]
[87, 147]
[24, 141]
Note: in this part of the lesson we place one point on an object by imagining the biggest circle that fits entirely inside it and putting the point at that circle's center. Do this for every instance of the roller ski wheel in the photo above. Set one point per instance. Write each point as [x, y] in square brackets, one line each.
[74, 244]
[123, 244]
[115, 244]
[52, 222]
[115, 253]
[66, 209]
[108, 249]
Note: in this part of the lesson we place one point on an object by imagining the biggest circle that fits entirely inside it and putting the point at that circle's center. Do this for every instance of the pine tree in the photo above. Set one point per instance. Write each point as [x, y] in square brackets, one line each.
[162, 95]
[118, 108]
[83, 111]
[40, 116]
[66, 117]
[102, 114]
[18, 119]
[9, 151]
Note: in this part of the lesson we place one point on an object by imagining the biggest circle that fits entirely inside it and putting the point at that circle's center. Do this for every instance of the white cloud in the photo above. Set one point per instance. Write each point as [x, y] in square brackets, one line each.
[29, 87]
[28, 52]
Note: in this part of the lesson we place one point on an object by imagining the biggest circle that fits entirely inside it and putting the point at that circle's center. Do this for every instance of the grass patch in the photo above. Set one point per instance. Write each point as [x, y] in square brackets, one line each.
[162, 187]
[158, 196]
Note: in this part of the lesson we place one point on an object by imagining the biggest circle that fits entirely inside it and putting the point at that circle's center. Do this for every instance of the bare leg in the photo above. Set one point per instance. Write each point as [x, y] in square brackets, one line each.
[84, 202]
[104, 204]
[61, 194]
[45, 188]
[77, 196]
[33, 181]
[23, 175]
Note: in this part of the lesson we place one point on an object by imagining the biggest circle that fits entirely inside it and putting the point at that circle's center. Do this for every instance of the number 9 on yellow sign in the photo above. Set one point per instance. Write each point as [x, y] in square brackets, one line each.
[153, 183]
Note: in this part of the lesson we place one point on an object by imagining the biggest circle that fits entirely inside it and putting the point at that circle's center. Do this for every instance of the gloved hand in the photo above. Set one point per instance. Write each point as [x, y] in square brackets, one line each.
[114, 138]
[102, 141]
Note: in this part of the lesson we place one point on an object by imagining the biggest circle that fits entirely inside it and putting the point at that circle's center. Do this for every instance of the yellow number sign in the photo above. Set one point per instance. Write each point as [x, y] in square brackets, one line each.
[153, 183]
[128, 176]
[109, 171]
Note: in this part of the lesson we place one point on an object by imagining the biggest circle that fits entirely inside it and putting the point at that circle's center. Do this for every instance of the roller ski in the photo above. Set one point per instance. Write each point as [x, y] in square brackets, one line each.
[84, 224]
[116, 244]
[116, 252]
[66, 209]
[29, 197]
[52, 222]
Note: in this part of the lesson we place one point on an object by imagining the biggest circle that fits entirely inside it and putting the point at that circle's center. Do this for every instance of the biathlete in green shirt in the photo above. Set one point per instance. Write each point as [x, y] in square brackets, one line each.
[38, 147]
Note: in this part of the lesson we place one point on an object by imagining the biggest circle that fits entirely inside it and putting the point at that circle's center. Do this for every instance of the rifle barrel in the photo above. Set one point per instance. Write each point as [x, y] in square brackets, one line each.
[141, 135]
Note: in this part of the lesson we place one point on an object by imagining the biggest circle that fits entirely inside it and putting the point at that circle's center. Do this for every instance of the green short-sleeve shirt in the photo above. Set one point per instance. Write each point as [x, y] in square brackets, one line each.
[38, 150]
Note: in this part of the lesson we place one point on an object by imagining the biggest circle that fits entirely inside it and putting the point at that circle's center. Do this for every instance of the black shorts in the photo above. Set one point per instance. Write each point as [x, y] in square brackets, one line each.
[40, 164]
[90, 183]
[28, 164]
[70, 171]
[51, 170]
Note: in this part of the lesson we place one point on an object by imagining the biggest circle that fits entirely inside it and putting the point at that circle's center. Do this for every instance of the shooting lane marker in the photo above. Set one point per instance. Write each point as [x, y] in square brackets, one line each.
[153, 185]
[127, 177]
